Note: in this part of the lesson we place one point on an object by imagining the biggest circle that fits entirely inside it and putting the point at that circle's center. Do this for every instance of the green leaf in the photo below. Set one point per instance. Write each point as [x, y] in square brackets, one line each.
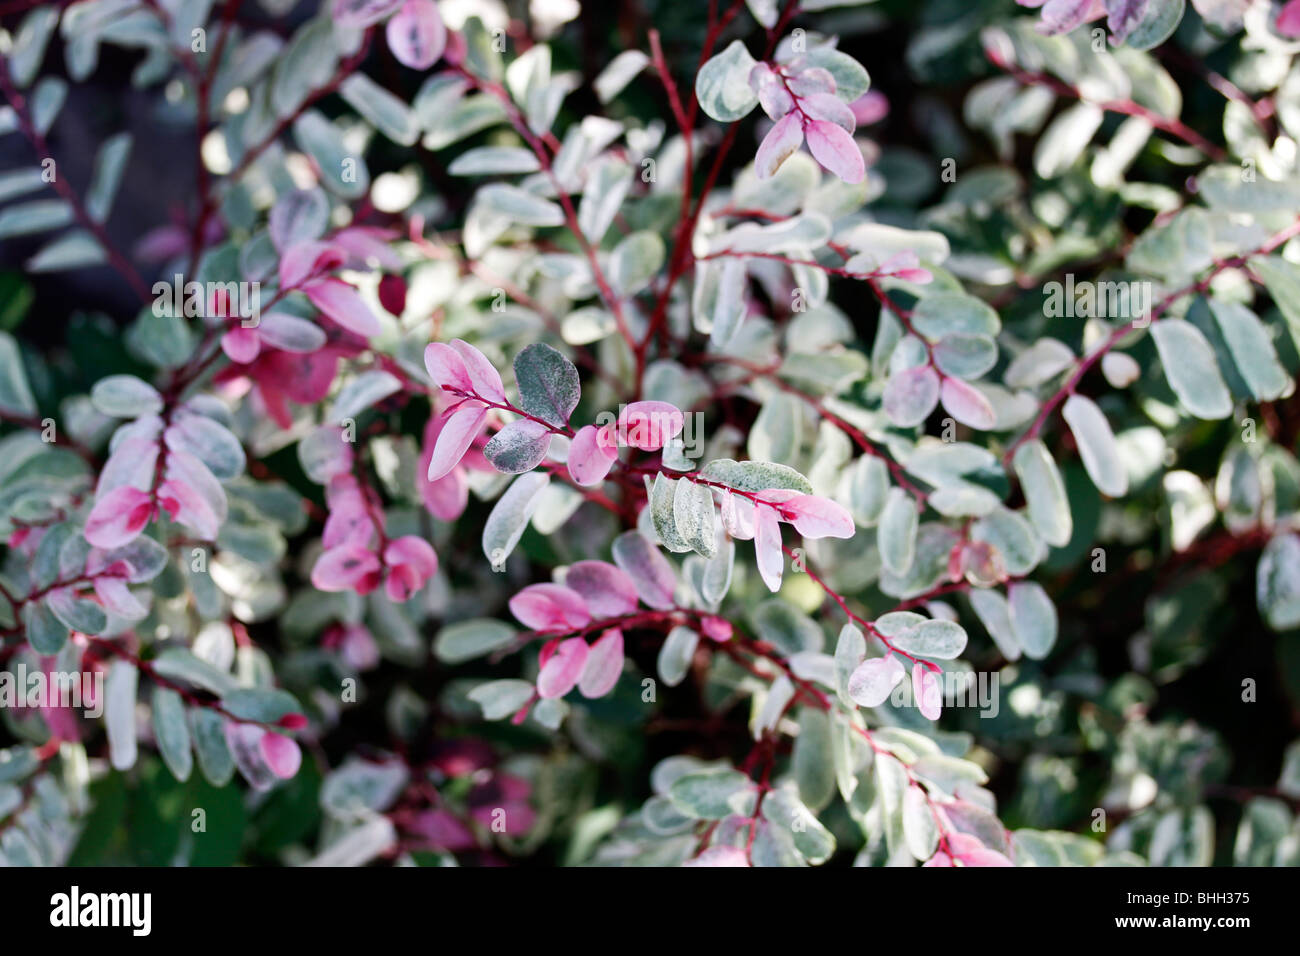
[1191, 369]
[83, 616]
[951, 313]
[179, 663]
[1158, 24]
[548, 384]
[209, 737]
[635, 261]
[501, 698]
[919, 827]
[811, 839]
[1277, 582]
[785, 626]
[605, 191]
[995, 614]
[389, 114]
[675, 655]
[713, 794]
[896, 533]
[1282, 279]
[775, 434]
[519, 447]
[15, 394]
[1044, 490]
[119, 713]
[307, 64]
[45, 632]
[510, 516]
[76, 249]
[693, 516]
[519, 207]
[466, 640]
[172, 732]
[494, 161]
[938, 640]
[965, 356]
[36, 215]
[663, 498]
[1065, 139]
[1033, 618]
[618, 73]
[851, 78]
[125, 396]
[722, 85]
[29, 44]
[814, 760]
[1251, 349]
[341, 172]
[110, 163]
[263, 705]
[367, 389]
[460, 119]
[755, 476]
[1097, 446]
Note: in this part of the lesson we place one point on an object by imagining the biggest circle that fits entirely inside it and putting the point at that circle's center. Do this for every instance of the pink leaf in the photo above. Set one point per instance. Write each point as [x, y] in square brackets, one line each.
[829, 107]
[910, 395]
[458, 433]
[306, 260]
[772, 94]
[649, 570]
[1062, 16]
[241, 344]
[720, 856]
[550, 607]
[446, 368]
[118, 517]
[607, 590]
[767, 547]
[349, 521]
[117, 597]
[812, 80]
[817, 517]
[589, 458]
[345, 569]
[447, 497]
[835, 149]
[361, 13]
[411, 562]
[561, 672]
[983, 857]
[486, 380]
[925, 691]
[281, 754]
[604, 665]
[939, 859]
[1288, 21]
[443, 830]
[649, 425]
[737, 516]
[870, 107]
[184, 504]
[416, 34]
[716, 628]
[344, 305]
[780, 143]
[874, 680]
[967, 404]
